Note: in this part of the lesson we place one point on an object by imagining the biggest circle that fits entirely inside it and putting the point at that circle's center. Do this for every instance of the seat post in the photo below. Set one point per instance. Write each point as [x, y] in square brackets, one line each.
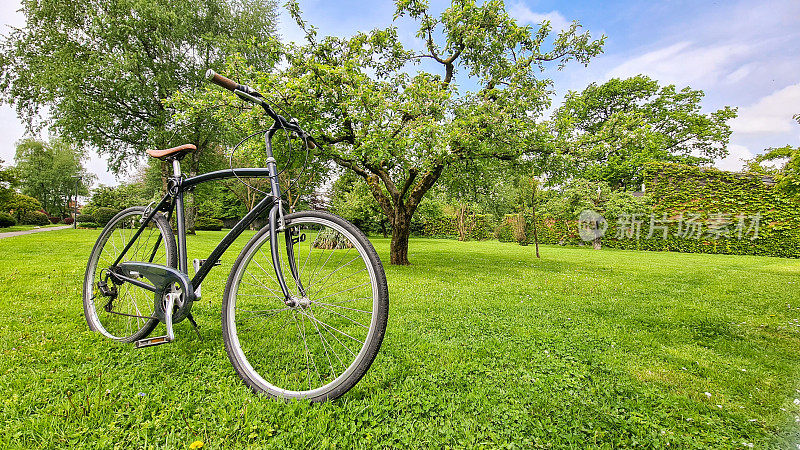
[176, 168]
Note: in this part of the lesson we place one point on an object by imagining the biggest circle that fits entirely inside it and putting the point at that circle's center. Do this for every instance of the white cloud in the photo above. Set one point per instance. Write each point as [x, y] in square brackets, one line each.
[685, 63]
[771, 114]
[734, 162]
[523, 14]
[739, 74]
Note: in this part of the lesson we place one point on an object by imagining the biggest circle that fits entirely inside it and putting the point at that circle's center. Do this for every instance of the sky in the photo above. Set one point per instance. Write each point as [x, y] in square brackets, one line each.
[744, 54]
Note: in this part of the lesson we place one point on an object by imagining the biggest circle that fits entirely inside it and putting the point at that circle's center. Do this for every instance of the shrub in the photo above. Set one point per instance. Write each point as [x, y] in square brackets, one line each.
[503, 233]
[477, 227]
[68, 220]
[34, 218]
[103, 215]
[85, 218]
[21, 204]
[7, 220]
[53, 219]
[88, 225]
[331, 240]
[207, 224]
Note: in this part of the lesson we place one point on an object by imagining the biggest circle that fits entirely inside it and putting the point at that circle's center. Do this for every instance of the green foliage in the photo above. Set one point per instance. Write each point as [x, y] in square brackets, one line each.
[331, 240]
[220, 200]
[478, 227]
[8, 179]
[486, 186]
[85, 218]
[7, 220]
[788, 174]
[727, 206]
[104, 215]
[350, 198]
[20, 204]
[133, 56]
[615, 128]
[208, 224]
[580, 194]
[34, 218]
[52, 173]
[120, 197]
[89, 225]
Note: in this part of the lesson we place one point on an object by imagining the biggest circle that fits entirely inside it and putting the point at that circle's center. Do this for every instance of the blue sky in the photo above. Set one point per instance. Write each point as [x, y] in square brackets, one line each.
[741, 53]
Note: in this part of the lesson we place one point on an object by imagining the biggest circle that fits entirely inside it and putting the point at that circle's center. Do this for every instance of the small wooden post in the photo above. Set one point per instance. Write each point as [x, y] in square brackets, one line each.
[533, 207]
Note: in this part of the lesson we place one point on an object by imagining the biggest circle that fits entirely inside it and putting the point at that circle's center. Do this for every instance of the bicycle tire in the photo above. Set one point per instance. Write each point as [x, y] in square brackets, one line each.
[266, 374]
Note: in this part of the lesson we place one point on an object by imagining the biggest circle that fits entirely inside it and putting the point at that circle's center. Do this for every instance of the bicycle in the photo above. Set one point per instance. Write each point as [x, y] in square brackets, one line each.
[311, 331]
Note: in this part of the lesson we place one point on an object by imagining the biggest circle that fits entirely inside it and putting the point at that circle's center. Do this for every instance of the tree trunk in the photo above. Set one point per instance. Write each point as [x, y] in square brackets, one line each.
[401, 230]
[597, 243]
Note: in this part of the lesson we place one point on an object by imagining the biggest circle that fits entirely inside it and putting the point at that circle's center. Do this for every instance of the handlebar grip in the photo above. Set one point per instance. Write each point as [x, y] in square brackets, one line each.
[219, 80]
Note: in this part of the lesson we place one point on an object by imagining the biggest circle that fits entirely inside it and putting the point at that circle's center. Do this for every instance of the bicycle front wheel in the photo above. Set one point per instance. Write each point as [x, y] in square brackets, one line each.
[319, 344]
[129, 315]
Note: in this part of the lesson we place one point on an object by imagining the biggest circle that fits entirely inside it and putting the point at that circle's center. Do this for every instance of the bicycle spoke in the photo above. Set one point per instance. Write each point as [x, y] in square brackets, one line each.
[344, 290]
[273, 334]
[322, 342]
[344, 307]
[342, 315]
[340, 267]
[322, 288]
[331, 327]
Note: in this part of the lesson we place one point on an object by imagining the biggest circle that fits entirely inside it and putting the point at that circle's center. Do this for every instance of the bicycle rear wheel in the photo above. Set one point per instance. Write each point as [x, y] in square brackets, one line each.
[128, 316]
[321, 344]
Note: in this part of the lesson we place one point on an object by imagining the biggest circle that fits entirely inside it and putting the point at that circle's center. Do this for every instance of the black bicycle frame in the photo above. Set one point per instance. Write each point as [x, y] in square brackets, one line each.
[173, 202]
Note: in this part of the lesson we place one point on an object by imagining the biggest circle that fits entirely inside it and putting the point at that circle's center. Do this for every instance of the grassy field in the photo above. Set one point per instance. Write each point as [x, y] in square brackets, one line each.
[487, 347]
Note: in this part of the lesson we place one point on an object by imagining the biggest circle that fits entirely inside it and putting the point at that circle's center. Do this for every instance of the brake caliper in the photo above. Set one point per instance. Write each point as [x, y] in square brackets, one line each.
[300, 238]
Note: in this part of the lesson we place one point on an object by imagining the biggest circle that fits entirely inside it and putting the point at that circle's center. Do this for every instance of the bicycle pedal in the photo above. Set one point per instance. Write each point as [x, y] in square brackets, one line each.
[151, 341]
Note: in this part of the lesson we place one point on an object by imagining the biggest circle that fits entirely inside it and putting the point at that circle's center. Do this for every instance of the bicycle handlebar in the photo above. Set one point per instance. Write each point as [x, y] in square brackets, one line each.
[229, 84]
[251, 93]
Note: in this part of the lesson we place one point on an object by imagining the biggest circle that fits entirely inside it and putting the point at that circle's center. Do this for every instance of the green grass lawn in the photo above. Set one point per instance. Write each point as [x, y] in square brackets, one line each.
[487, 347]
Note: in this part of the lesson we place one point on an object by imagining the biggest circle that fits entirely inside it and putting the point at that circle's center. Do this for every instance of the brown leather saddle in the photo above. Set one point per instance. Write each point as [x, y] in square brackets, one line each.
[172, 153]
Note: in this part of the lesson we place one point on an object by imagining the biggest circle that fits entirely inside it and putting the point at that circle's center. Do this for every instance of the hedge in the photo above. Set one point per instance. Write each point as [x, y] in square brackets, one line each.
[85, 218]
[208, 224]
[480, 226]
[103, 215]
[724, 205]
[7, 220]
[88, 225]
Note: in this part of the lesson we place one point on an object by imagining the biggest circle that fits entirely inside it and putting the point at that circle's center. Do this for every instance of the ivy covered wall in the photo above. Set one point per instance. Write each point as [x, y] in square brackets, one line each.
[696, 210]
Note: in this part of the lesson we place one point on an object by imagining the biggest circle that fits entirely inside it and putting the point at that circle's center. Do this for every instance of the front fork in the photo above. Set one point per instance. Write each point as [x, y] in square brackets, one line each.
[277, 224]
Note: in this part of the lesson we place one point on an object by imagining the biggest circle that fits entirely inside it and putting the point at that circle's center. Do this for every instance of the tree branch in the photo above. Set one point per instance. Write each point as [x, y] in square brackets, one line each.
[412, 174]
[424, 184]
